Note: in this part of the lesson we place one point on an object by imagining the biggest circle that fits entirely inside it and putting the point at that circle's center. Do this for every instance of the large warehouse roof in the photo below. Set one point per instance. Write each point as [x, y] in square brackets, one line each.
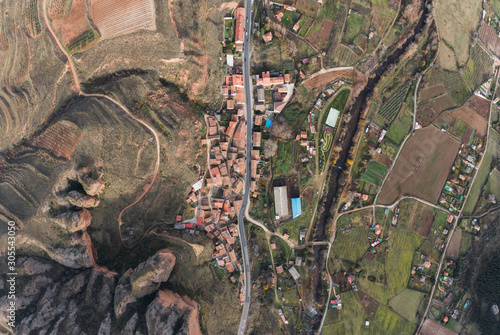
[333, 115]
[296, 207]
[281, 201]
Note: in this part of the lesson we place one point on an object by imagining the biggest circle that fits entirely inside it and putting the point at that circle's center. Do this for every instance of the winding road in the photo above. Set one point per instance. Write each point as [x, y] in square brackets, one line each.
[77, 89]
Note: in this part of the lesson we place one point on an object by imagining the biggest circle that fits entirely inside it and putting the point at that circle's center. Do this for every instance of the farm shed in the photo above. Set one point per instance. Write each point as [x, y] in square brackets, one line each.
[296, 207]
[333, 115]
[281, 201]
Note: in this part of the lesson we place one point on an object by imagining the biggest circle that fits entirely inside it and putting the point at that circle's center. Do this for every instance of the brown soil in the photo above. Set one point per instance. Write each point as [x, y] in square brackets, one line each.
[472, 114]
[382, 159]
[120, 17]
[422, 167]
[322, 79]
[61, 139]
[489, 37]
[320, 39]
[431, 92]
[426, 225]
[442, 103]
[69, 27]
[454, 246]
[433, 328]
[369, 304]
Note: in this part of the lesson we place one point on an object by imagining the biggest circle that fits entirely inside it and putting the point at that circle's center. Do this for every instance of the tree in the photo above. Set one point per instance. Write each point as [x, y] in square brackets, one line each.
[281, 129]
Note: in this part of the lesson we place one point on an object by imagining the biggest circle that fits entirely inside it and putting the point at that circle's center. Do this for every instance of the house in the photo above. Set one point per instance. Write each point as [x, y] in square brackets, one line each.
[298, 261]
[281, 201]
[296, 27]
[230, 104]
[257, 137]
[287, 78]
[296, 207]
[302, 234]
[279, 106]
[279, 269]
[267, 80]
[259, 107]
[260, 95]
[258, 120]
[240, 98]
[178, 218]
[279, 15]
[293, 271]
[267, 37]
[239, 34]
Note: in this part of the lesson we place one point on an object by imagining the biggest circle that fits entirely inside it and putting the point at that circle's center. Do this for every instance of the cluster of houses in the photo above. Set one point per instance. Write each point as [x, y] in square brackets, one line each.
[461, 173]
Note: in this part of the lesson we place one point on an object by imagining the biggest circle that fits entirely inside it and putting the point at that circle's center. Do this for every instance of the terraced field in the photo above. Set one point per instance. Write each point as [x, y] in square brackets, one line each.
[61, 139]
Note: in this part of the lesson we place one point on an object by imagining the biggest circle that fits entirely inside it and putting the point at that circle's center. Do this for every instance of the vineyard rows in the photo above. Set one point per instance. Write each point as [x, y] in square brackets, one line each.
[82, 41]
[61, 139]
[478, 68]
[392, 106]
[32, 21]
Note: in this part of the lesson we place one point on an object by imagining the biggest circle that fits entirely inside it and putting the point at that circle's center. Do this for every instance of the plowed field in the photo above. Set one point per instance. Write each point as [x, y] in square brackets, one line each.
[61, 139]
[422, 167]
[119, 17]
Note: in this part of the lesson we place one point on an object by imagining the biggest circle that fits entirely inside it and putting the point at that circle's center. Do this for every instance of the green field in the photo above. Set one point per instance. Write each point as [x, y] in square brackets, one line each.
[354, 25]
[478, 67]
[374, 173]
[392, 106]
[286, 158]
[493, 184]
[465, 243]
[482, 174]
[403, 245]
[353, 319]
[294, 116]
[401, 126]
[351, 246]
[406, 304]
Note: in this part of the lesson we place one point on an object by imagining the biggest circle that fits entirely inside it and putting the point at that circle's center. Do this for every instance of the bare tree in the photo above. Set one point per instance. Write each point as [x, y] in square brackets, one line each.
[281, 129]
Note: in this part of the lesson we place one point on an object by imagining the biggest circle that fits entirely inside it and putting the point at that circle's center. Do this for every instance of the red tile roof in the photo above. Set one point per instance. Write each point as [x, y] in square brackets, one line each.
[240, 25]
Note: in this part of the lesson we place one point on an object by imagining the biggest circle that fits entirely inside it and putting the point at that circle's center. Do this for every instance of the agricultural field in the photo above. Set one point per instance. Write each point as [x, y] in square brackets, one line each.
[286, 158]
[456, 20]
[489, 37]
[402, 125]
[478, 68]
[73, 25]
[402, 247]
[415, 217]
[319, 33]
[482, 174]
[321, 79]
[406, 304]
[374, 173]
[392, 106]
[309, 7]
[32, 20]
[422, 167]
[269, 56]
[474, 113]
[61, 139]
[351, 246]
[454, 247]
[344, 56]
[431, 104]
[115, 18]
[355, 25]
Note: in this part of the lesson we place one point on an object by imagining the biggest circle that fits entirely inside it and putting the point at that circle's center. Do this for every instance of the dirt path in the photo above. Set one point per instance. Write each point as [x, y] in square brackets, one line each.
[78, 89]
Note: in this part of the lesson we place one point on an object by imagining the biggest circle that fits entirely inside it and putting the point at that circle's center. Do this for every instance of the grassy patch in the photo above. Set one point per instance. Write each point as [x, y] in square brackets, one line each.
[406, 304]
[351, 246]
[374, 173]
[294, 116]
[399, 259]
[401, 126]
[493, 146]
[354, 25]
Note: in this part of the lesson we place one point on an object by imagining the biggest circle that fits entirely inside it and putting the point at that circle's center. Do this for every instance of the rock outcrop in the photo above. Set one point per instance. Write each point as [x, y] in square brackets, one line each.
[143, 280]
[172, 314]
[74, 221]
[78, 199]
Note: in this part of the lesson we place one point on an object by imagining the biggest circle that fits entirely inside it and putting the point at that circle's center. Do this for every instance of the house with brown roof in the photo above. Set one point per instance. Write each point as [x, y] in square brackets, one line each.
[259, 107]
[279, 269]
[267, 80]
[279, 15]
[255, 154]
[230, 104]
[217, 179]
[258, 120]
[240, 98]
[278, 106]
[253, 165]
[256, 139]
[287, 78]
[239, 34]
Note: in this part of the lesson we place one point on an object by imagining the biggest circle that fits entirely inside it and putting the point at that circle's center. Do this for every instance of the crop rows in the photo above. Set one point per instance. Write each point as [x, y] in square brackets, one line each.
[32, 21]
[61, 139]
[478, 68]
[56, 8]
[82, 41]
[392, 106]
[345, 56]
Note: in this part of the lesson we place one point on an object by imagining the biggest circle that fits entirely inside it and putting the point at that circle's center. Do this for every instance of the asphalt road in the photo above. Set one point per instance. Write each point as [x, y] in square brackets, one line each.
[248, 178]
